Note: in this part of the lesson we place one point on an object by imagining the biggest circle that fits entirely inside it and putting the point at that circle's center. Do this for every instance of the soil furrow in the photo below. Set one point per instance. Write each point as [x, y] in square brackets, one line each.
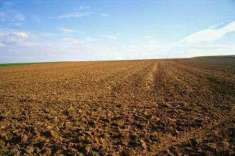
[145, 107]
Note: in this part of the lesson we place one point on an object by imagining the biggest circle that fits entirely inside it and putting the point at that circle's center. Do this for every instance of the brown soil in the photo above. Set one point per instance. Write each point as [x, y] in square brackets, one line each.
[149, 107]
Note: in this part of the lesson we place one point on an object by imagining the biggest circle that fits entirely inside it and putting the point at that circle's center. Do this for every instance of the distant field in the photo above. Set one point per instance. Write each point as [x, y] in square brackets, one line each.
[20, 64]
[145, 107]
[12, 64]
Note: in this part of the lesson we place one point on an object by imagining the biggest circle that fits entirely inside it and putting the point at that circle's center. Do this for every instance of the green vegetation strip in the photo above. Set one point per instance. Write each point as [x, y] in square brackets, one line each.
[20, 64]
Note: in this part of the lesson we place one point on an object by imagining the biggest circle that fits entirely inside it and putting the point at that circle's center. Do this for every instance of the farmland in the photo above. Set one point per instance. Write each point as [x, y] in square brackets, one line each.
[144, 107]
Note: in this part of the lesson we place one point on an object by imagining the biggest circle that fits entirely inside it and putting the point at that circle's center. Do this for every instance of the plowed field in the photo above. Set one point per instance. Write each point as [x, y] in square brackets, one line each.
[146, 107]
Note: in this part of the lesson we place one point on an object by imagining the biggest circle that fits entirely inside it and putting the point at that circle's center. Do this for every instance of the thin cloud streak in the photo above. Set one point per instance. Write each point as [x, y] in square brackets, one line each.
[77, 14]
[66, 30]
[209, 35]
[202, 43]
[10, 16]
[8, 38]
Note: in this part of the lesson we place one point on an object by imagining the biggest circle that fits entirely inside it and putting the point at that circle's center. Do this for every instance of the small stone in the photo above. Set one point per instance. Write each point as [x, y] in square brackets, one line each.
[143, 144]
[29, 150]
[24, 138]
[88, 149]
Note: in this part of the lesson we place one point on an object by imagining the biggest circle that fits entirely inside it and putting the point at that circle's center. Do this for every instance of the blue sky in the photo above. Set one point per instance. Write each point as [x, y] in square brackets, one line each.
[57, 30]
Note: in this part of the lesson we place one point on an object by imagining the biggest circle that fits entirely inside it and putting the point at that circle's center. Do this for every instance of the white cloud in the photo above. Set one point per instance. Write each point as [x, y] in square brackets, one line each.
[2, 16]
[21, 35]
[77, 14]
[205, 42]
[84, 7]
[104, 14]
[11, 16]
[209, 35]
[38, 44]
[19, 17]
[2, 45]
[209, 49]
[111, 37]
[59, 46]
[13, 37]
[71, 41]
[66, 30]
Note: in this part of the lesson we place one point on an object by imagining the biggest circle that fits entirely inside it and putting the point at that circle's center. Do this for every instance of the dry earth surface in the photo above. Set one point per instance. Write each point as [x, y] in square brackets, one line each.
[146, 107]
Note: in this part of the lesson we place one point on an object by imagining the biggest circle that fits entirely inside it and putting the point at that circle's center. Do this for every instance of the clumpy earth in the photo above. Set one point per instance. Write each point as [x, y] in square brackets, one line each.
[145, 107]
